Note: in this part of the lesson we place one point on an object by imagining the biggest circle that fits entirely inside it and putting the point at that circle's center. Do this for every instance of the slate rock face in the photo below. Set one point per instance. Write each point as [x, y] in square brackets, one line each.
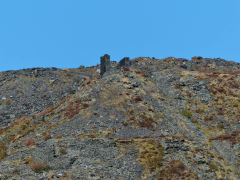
[141, 119]
[31, 90]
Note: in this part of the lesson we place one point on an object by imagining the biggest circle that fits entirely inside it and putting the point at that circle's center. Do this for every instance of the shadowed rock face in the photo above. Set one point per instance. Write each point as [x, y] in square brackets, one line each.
[137, 119]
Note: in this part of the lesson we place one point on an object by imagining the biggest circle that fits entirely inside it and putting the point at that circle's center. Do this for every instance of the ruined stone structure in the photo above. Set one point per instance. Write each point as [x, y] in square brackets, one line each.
[125, 62]
[105, 64]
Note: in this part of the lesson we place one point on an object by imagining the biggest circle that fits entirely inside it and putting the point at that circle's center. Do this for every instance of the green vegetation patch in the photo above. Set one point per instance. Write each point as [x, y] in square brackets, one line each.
[151, 154]
[220, 126]
[187, 114]
[3, 150]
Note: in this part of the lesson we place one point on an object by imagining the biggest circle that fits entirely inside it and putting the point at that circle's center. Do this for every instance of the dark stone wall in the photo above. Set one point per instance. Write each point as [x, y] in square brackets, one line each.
[105, 64]
[125, 62]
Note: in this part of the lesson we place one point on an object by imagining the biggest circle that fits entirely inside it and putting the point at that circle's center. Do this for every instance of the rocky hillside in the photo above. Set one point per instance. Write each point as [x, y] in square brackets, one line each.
[143, 118]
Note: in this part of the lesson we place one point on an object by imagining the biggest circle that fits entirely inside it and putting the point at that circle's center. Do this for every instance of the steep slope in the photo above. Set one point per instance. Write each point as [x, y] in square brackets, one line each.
[154, 119]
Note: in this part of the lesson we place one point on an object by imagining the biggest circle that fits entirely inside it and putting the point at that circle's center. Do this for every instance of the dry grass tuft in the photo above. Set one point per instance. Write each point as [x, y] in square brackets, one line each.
[3, 150]
[29, 142]
[151, 154]
[187, 114]
[46, 137]
[59, 136]
[175, 169]
[234, 137]
[137, 99]
[39, 167]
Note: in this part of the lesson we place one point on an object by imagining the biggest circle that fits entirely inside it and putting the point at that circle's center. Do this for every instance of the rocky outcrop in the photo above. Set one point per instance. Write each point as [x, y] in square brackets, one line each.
[140, 119]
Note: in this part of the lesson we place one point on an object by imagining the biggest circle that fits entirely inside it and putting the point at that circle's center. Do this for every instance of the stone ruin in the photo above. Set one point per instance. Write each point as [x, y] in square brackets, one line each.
[105, 65]
[125, 62]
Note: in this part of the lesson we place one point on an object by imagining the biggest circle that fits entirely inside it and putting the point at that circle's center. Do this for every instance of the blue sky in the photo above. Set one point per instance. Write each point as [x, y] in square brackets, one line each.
[70, 33]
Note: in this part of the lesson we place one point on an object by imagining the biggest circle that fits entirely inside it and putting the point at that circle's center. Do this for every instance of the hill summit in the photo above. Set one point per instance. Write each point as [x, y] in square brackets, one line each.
[142, 118]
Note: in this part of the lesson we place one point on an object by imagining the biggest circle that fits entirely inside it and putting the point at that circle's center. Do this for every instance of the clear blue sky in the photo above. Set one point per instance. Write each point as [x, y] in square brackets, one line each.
[70, 33]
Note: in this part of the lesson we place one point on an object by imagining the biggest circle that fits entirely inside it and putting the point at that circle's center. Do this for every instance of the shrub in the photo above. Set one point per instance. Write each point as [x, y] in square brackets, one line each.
[8, 102]
[59, 136]
[124, 124]
[138, 99]
[126, 69]
[28, 160]
[209, 118]
[161, 115]
[46, 137]
[235, 105]
[220, 111]
[213, 167]
[146, 122]
[131, 112]
[71, 91]
[219, 80]
[29, 142]
[189, 95]
[220, 125]
[177, 167]
[234, 85]
[85, 106]
[72, 109]
[177, 86]
[3, 150]
[187, 114]
[16, 171]
[221, 90]
[233, 137]
[199, 111]
[151, 154]
[143, 73]
[38, 166]
[63, 151]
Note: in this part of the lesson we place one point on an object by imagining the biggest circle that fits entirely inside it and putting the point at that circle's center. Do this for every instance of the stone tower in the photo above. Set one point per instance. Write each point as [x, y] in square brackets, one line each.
[105, 64]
